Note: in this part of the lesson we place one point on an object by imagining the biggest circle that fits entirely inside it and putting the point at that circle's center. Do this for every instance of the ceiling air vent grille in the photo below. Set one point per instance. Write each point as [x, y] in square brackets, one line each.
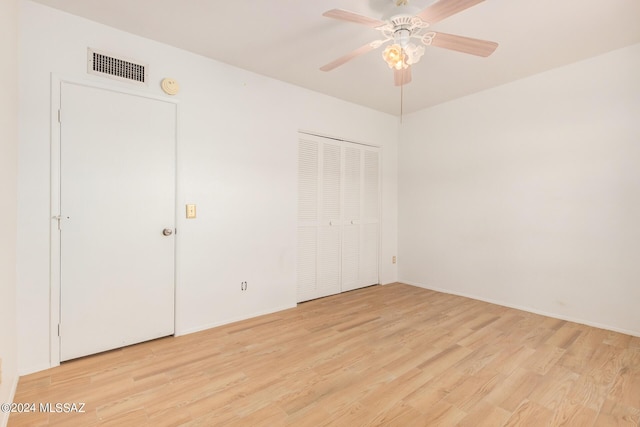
[111, 66]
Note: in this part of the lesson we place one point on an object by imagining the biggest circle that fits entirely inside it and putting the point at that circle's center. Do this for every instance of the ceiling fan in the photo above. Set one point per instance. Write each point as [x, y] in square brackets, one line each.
[405, 25]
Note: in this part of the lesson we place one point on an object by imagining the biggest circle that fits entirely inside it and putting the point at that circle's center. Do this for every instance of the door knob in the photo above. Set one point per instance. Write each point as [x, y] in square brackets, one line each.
[167, 232]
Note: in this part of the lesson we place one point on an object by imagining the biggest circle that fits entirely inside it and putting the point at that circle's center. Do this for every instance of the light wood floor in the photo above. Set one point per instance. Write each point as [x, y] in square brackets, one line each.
[385, 355]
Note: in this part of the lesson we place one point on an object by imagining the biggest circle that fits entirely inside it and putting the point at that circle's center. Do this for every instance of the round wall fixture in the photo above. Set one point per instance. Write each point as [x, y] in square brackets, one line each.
[170, 86]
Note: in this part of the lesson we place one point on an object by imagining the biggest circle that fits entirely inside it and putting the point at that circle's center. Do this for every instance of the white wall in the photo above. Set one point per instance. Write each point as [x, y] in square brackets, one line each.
[237, 160]
[8, 199]
[528, 194]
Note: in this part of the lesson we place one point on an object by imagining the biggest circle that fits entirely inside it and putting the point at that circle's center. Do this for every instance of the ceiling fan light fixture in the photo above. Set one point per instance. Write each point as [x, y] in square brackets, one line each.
[394, 56]
[400, 65]
[413, 53]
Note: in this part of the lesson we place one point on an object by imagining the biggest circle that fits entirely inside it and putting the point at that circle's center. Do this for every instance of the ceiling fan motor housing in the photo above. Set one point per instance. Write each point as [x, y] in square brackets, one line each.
[402, 37]
[401, 28]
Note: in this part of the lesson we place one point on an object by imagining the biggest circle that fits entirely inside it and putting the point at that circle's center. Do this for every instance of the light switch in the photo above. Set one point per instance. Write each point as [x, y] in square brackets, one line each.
[191, 211]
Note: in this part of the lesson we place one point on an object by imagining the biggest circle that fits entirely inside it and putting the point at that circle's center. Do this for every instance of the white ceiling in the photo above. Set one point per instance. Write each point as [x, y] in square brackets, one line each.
[290, 39]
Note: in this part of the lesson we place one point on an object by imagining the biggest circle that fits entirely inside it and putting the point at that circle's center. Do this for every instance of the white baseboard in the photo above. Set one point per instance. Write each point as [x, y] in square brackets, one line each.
[527, 309]
[187, 331]
[178, 332]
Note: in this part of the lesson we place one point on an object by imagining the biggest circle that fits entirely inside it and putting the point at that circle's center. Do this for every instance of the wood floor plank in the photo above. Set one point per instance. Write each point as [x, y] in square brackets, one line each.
[515, 389]
[529, 414]
[616, 414]
[467, 393]
[383, 355]
[388, 398]
[544, 359]
[400, 415]
[509, 357]
[443, 414]
[553, 389]
[569, 413]
[484, 414]
[564, 336]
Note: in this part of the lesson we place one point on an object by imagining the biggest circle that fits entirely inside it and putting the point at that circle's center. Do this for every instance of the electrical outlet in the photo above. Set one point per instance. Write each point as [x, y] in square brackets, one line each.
[243, 286]
[393, 259]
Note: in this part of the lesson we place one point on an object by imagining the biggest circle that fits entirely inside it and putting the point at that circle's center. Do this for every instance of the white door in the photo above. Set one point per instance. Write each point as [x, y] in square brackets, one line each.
[370, 220]
[308, 201]
[361, 203]
[319, 218]
[329, 228]
[338, 216]
[117, 189]
[351, 209]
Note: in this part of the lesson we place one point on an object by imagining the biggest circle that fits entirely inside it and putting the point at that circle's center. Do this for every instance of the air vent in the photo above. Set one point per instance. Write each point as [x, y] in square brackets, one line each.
[119, 68]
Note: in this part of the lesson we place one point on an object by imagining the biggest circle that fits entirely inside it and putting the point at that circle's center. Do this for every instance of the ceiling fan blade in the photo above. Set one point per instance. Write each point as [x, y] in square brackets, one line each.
[463, 44]
[402, 77]
[345, 15]
[348, 57]
[444, 9]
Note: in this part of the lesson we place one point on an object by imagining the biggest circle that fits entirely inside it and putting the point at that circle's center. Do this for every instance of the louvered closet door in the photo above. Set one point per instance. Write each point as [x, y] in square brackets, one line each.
[338, 205]
[329, 230]
[361, 234]
[308, 197]
[351, 197]
[370, 228]
[319, 218]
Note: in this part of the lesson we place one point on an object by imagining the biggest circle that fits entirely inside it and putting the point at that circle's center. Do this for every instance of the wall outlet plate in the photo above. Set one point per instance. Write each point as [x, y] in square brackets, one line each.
[191, 211]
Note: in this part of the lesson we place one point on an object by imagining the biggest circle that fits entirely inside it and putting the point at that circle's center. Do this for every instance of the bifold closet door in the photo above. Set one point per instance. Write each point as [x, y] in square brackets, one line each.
[370, 224]
[337, 216]
[329, 229]
[308, 200]
[352, 155]
[319, 224]
[361, 201]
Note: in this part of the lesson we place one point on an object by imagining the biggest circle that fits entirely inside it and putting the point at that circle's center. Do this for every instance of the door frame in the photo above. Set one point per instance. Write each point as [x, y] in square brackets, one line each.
[55, 170]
